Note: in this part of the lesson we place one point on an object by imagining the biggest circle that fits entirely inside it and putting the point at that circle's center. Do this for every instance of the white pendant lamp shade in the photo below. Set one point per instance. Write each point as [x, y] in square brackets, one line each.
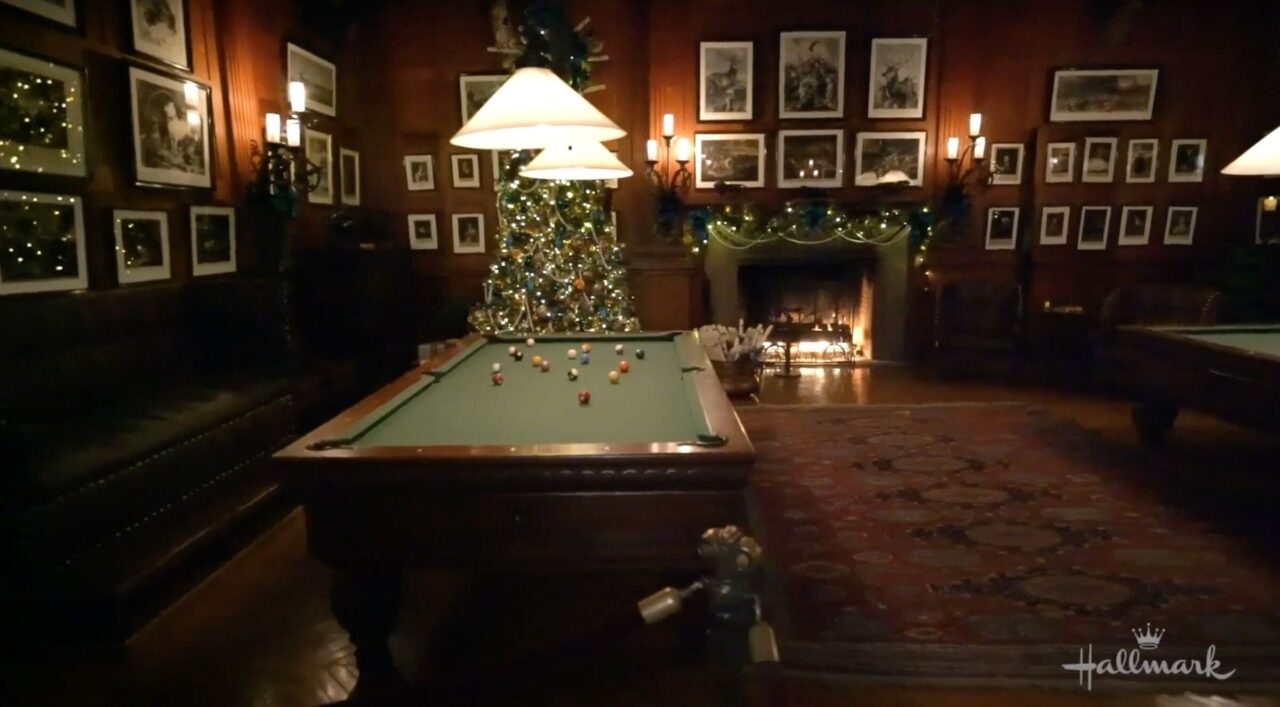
[587, 160]
[532, 110]
[1261, 159]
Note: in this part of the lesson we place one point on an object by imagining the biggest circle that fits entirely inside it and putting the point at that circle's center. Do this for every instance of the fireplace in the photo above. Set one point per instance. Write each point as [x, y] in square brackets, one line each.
[820, 310]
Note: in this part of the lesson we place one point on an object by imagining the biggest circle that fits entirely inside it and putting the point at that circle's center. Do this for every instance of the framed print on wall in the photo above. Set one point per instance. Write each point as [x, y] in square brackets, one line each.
[1103, 95]
[1186, 160]
[320, 77]
[1135, 225]
[732, 158]
[468, 233]
[170, 130]
[319, 150]
[475, 90]
[896, 86]
[1060, 163]
[1006, 163]
[349, 166]
[1099, 164]
[1180, 225]
[1140, 163]
[810, 158]
[44, 103]
[422, 232]
[1002, 228]
[61, 11]
[420, 172]
[725, 80]
[41, 243]
[811, 75]
[213, 240]
[142, 246]
[466, 171]
[1095, 222]
[878, 155]
[1054, 222]
[160, 31]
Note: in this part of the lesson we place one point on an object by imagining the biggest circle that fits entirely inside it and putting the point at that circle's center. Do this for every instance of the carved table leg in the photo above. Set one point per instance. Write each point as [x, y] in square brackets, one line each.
[366, 604]
[1153, 420]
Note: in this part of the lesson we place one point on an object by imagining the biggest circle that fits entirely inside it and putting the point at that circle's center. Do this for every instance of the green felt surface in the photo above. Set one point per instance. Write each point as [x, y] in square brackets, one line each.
[1261, 339]
[459, 405]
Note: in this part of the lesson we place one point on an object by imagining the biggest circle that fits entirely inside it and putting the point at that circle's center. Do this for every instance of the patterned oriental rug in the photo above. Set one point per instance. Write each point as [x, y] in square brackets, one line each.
[990, 544]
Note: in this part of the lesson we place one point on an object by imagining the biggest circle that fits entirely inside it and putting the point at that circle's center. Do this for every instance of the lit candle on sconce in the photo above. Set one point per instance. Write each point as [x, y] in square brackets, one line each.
[297, 97]
[1269, 203]
[682, 150]
[293, 130]
[975, 124]
[953, 148]
[191, 93]
[980, 148]
[651, 150]
[273, 128]
[668, 125]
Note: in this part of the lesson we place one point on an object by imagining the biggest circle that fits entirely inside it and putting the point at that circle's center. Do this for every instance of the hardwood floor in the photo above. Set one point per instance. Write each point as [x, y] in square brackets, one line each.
[258, 633]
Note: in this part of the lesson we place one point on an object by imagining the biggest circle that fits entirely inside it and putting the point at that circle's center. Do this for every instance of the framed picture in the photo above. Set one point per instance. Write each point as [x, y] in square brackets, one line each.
[160, 31]
[142, 246]
[896, 87]
[725, 80]
[732, 158]
[213, 240]
[319, 150]
[1186, 160]
[349, 165]
[1002, 228]
[44, 106]
[476, 89]
[503, 161]
[811, 75]
[466, 171]
[318, 75]
[1099, 160]
[1054, 222]
[1135, 225]
[170, 130]
[1268, 228]
[41, 243]
[422, 232]
[1095, 222]
[1006, 163]
[878, 156]
[420, 172]
[810, 158]
[1060, 163]
[61, 11]
[1140, 164]
[468, 233]
[1180, 225]
[1103, 94]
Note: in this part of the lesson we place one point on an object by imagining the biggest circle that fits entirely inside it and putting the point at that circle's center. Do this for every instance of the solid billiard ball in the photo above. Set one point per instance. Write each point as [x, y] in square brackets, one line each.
[511, 351]
[573, 374]
[640, 354]
[584, 397]
[519, 355]
[624, 366]
[618, 349]
[585, 358]
[586, 347]
[573, 353]
[497, 379]
[546, 365]
[497, 367]
[614, 377]
[536, 361]
[529, 341]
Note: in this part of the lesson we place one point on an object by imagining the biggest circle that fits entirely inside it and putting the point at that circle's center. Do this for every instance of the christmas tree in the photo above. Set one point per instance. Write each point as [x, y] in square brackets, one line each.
[559, 264]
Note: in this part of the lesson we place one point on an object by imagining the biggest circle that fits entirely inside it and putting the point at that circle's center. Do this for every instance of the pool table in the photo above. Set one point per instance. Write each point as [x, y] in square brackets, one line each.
[1232, 371]
[443, 467]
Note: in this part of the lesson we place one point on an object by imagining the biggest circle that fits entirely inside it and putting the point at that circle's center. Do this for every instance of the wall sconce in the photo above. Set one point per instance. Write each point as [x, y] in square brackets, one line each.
[280, 163]
[669, 187]
[964, 167]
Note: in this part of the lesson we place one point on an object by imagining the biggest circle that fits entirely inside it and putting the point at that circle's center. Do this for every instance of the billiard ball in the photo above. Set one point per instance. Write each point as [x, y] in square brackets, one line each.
[573, 374]
[529, 341]
[640, 354]
[573, 353]
[519, 355]
[511, 351]
[585, 358]
[586, 347]
[624, 366]
[584, 397]
[614, 377]
[497, 379]
[536, 361]
[618, 349]
[546, 365]
[497, 367]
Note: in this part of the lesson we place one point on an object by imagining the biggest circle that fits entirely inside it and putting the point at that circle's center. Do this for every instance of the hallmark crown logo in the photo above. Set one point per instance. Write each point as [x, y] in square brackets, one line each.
[1148, 638]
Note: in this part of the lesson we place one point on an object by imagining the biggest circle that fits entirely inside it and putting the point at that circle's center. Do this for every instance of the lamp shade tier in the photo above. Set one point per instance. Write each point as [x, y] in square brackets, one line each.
[1263, 159]
[533, 110]
[588, 160]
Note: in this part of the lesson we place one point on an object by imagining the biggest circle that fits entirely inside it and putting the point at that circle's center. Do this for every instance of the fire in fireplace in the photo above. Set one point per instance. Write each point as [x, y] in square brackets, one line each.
[820, 312]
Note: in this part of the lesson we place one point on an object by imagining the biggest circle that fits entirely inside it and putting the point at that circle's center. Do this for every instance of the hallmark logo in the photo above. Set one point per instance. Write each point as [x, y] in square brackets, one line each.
[1133, 662]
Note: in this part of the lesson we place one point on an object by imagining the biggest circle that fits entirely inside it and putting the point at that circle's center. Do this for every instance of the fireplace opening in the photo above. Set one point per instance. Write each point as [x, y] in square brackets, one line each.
[820, 312]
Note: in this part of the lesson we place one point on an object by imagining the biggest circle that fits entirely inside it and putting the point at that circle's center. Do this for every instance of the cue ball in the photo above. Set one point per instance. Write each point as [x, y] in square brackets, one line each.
[573, 353]
[586, 347]
[618, 349]
[536, 361]
[573, 374]
[519, 355]
[584, 397]
[640, 354]
[546, 365]
[497, 379]
[624, 366]
[529, 341]
[497, 367]
[614, 377]
[511, 351]
[585, 357]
